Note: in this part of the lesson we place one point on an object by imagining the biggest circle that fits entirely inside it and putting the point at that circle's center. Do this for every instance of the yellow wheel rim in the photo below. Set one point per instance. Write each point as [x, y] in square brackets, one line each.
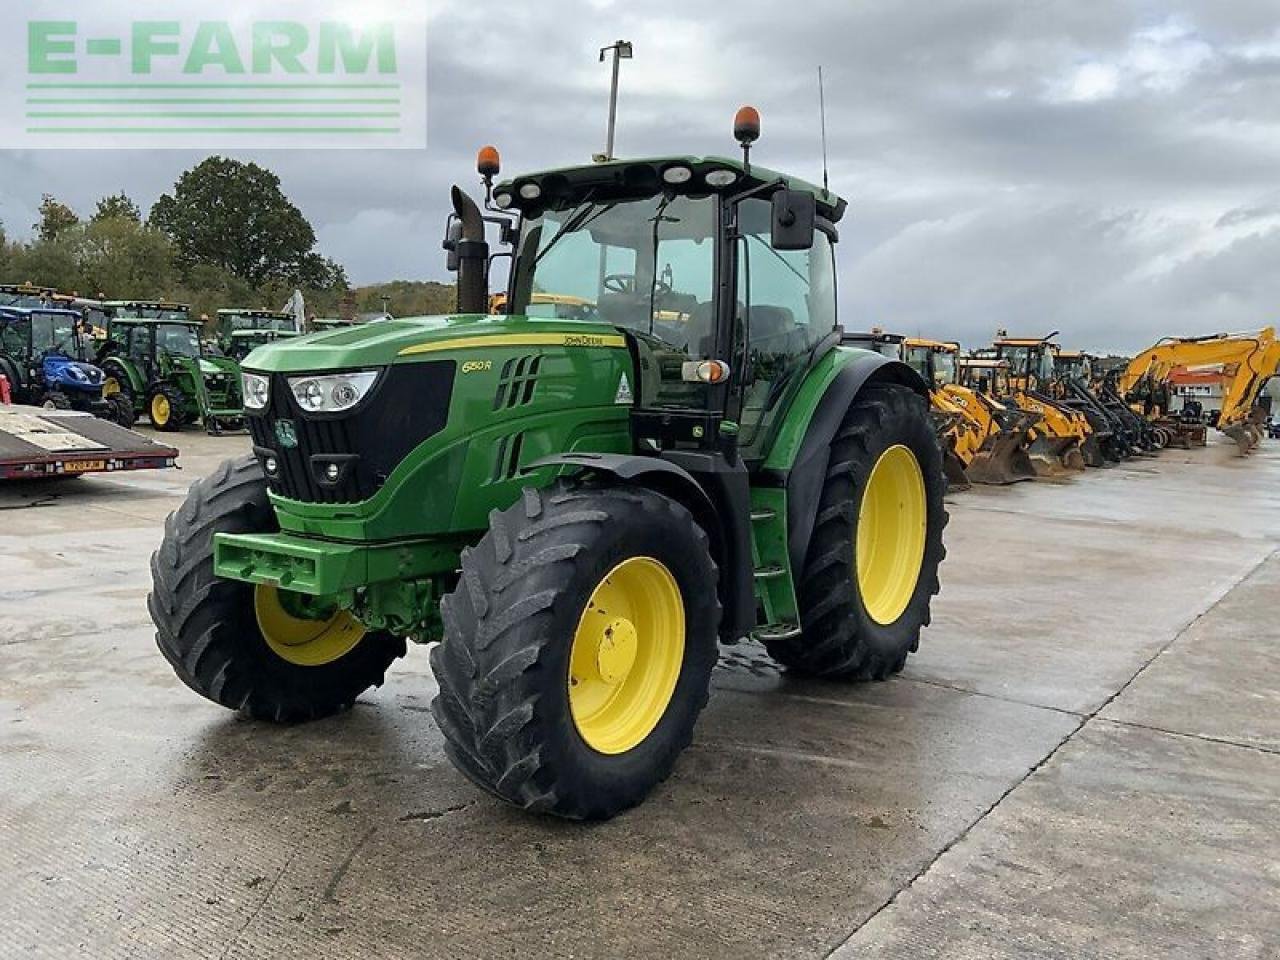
[160, 410]
[626, 657]
[889, 545]
[304, 643]
[110, 387]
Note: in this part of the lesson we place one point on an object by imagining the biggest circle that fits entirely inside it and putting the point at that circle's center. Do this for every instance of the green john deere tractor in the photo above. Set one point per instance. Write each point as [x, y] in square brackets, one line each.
[153, 355]
[240, 332]
[578, 510]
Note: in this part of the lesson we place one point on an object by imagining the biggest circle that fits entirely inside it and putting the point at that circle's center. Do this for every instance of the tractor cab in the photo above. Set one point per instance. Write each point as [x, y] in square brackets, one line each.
[876, 340]
[935, 360]
[1031, 360]
[719, 274]
[27, 296]
[989, 376]
[240, 332]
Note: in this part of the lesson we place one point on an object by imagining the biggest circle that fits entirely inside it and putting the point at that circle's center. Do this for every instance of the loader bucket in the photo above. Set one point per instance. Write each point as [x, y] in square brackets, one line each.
[1091, 452]
[1055, 456]
[1003, 459]
[953, 469]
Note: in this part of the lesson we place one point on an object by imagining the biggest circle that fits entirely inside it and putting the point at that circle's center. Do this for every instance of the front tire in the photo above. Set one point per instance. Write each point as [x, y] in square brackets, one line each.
[241, 645]
[166, 408]
[578, 649]
[872, 565]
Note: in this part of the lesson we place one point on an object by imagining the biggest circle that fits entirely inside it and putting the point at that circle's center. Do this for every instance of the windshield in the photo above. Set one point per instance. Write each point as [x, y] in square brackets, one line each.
[646, 265]
[944, 367]
[151, 313]
[52, 333]
[177, 340]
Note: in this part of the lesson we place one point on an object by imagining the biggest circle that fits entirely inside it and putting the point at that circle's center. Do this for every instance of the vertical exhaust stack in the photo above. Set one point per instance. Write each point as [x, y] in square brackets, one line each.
[472, 253]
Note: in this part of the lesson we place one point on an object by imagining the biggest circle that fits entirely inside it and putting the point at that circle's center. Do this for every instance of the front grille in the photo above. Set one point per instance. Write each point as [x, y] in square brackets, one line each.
[408, 405]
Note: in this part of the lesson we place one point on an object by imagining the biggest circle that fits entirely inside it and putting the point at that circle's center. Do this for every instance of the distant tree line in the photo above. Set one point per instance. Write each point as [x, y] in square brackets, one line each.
[225, 236]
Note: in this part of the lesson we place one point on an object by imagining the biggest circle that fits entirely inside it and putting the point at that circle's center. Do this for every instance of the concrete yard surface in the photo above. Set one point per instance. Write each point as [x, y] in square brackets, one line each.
[1082, 761]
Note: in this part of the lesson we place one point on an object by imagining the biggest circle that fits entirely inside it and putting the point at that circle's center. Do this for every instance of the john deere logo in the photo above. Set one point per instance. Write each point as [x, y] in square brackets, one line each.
[287, 434]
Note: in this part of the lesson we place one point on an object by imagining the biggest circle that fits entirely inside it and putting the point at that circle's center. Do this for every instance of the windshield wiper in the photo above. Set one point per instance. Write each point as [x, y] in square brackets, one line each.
[581, 217]
[658, 221]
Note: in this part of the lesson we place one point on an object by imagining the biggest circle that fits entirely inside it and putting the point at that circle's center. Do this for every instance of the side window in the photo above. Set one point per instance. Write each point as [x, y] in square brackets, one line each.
[788, 303]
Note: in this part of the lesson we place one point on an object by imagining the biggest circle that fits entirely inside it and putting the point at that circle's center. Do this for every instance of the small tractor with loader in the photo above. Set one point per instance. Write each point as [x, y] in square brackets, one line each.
[153, 356]
[1245, 360]
[578, 510]
[240, 332]
[40, 356]
[988, 442]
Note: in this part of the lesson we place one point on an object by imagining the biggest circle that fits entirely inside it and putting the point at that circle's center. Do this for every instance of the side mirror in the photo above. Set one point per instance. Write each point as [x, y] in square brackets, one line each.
[794, 214]
[452, 235]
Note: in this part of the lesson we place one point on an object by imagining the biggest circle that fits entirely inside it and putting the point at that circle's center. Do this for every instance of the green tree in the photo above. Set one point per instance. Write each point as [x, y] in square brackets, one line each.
[116, 207]
[56, 218]
[235, 216]
[127, 258]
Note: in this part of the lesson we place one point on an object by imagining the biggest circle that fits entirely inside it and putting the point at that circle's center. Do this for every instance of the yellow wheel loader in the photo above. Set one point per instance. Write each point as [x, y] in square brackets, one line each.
[1246, 361]
[1065, 439]
[984, 441]
[1054, 439]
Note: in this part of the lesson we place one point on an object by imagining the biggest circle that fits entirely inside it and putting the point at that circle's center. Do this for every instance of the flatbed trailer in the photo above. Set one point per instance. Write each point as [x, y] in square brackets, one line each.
[39, 444]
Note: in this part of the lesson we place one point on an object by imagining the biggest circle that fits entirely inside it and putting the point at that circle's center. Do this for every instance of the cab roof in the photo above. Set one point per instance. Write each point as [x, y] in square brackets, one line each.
[273, 314]
[1022, 342]
[21, 313]
[632, 179]
[148, 304]
[949, 346]
[158, 321]
[28, 288]
[984, 363]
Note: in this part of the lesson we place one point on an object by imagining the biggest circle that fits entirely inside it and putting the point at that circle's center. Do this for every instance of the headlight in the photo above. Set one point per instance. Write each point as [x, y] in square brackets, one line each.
[78, 374]
[332, 394]
[722, 177]
[256, 390]
[677, 175]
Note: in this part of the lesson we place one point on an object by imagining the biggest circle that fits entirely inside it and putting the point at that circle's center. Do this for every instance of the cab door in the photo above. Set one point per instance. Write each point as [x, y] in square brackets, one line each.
[787, 311]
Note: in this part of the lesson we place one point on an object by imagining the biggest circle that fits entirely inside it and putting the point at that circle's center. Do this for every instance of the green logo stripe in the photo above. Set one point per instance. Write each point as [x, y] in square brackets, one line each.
[218, 101]
[271, 130]
[216, 115]
[219, 85]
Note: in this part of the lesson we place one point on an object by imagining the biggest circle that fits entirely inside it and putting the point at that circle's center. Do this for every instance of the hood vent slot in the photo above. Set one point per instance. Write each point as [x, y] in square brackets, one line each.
[516, 386]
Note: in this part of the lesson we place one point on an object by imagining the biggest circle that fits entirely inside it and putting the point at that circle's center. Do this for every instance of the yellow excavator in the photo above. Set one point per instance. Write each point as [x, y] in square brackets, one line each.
[1246, 360]
[983, 440]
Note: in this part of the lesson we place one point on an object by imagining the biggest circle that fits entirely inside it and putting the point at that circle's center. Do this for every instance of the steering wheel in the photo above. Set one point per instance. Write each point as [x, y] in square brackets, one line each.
[625, 283]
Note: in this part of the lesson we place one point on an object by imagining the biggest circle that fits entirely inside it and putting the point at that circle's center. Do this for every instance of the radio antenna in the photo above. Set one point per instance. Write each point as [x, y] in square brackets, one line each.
[822, 113]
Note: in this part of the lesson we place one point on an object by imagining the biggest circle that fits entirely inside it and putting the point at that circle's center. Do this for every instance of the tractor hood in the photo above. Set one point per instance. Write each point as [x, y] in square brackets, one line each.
[72, 374]
[405, 340]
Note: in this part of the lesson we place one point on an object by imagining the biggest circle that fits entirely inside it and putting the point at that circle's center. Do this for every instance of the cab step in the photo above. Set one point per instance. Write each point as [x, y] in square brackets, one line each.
[762, 514]
[776, 631]
[770, 573]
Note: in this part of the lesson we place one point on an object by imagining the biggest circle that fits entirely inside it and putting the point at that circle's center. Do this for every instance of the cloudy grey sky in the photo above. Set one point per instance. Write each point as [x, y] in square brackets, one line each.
[1110, 169]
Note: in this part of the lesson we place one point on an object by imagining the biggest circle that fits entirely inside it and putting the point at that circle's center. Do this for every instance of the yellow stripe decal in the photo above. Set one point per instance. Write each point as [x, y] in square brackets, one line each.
[520, 340]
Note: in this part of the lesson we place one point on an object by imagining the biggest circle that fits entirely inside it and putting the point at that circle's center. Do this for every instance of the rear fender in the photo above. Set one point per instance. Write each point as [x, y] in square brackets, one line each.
[814, 418]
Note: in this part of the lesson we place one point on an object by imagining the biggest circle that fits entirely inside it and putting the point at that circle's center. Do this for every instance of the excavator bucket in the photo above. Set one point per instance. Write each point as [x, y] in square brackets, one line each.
[1246, 435]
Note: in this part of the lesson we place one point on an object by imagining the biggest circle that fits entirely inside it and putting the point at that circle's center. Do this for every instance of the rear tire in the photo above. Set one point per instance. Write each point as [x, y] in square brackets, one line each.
[840, 637]
[122, 410]
[207, 627]
[511, 702]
